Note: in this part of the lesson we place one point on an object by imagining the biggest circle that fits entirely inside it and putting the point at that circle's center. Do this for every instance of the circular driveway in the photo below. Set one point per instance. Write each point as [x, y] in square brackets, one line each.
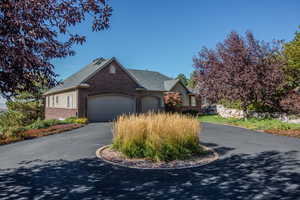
[252, 166]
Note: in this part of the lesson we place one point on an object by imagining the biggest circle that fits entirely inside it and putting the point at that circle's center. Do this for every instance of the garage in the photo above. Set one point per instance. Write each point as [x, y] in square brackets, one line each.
[107, 107]
[150, 103]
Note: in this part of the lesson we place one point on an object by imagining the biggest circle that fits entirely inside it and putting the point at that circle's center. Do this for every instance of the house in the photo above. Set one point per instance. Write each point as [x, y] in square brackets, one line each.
[105, 89]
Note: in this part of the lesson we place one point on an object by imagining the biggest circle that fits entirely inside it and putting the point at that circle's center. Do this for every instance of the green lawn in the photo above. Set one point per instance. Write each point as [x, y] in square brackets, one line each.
[252, 123]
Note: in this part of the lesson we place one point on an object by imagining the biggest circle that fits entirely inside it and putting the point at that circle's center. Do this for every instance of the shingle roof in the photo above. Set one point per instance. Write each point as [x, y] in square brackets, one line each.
[80, 76]
[150, 80]
[169, 84]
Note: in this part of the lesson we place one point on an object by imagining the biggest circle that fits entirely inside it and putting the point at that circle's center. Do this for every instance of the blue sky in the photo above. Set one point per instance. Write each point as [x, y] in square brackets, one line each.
[164, 35]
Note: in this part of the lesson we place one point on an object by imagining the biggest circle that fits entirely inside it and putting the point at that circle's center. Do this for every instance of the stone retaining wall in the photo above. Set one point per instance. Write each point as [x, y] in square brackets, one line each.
[235, 113]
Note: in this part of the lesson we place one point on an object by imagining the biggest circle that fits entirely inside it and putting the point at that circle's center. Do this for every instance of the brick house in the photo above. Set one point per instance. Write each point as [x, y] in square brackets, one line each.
[105, 89]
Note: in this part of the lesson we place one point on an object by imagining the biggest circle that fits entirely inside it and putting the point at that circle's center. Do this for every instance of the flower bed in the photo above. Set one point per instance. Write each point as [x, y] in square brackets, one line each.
[34, 133]
[290, 133]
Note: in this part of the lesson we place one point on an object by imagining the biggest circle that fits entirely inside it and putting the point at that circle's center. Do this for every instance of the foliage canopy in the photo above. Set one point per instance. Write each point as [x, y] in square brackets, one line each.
[29, 38]
[242, 69]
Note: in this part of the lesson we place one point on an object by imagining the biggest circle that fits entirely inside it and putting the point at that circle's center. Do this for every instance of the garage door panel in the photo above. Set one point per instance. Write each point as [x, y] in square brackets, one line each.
[150, 104]
[106, 108]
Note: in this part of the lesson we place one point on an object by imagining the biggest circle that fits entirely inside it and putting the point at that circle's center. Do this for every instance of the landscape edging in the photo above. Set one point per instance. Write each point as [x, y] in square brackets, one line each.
[98, 155]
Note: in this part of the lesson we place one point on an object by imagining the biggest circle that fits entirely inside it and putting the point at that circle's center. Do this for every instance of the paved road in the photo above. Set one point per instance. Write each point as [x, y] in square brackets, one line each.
[252, 166]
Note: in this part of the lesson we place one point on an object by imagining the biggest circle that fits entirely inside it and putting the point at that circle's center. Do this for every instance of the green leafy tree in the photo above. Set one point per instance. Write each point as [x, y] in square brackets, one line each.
[183, 79]
[192, 81]
[292, 53]
[22, 110]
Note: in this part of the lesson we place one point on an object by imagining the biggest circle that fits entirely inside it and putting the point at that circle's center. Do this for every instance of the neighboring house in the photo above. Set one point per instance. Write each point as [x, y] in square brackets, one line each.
[105, 89]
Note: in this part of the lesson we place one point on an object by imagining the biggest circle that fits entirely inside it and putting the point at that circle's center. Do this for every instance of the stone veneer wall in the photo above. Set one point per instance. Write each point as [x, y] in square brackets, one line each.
[235, 113]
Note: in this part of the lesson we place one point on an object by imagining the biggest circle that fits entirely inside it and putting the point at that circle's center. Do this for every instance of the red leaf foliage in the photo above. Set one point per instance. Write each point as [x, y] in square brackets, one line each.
[172, 100]
[241, 68]
[291, 103]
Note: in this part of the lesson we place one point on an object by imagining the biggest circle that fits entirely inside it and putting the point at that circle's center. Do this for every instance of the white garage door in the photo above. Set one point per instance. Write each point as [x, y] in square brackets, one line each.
[108, 107]
[150, 104]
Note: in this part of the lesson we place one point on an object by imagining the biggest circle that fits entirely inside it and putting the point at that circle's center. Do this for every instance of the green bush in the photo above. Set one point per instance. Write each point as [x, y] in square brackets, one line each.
[257, 107]
[81, 121]
[231, 104]
[191, 112]
[76, 120]
[71, 120]
[9, 123]
[51, 122]
[45, 123]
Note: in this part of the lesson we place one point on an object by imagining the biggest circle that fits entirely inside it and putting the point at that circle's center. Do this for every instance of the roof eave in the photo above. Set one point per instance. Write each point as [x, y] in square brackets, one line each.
[67, 89]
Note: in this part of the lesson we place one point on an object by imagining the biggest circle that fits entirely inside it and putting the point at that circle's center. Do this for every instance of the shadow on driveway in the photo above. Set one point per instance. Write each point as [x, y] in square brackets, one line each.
[267, 175]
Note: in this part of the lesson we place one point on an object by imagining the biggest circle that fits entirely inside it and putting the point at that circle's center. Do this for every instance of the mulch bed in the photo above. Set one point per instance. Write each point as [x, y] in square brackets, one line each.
[35, 133]
[290, 133]
[112, 156]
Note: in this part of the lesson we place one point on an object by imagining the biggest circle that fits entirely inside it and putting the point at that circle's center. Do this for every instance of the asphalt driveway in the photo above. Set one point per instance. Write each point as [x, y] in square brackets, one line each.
[252, 166]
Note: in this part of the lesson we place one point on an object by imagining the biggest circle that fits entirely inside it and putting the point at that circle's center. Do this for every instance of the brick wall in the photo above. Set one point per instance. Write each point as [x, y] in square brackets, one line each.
[57, 113]
[106, 83]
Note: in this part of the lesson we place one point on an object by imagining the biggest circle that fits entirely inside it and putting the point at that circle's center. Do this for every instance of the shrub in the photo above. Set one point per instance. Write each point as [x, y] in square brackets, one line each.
[9, 123]
[257, 107]
[172, 101]
[291, 103]
[81, 121]
[76, 120]
[70, 120]
[45, 123]
[161, 136]
[191, 112]
[231, 104]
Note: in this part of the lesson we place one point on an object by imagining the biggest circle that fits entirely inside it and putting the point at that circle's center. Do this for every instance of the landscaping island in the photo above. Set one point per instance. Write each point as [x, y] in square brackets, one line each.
[157, 141]
[110, 155]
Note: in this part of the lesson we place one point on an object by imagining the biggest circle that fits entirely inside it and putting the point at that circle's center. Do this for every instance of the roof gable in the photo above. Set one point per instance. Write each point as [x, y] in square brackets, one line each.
[176, 82]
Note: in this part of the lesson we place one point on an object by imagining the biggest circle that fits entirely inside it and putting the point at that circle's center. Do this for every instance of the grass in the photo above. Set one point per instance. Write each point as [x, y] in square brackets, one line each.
[159, 137]
[251, 123]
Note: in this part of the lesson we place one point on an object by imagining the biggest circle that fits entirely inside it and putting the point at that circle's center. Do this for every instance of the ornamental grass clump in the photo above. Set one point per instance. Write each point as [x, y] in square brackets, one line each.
[160, 137]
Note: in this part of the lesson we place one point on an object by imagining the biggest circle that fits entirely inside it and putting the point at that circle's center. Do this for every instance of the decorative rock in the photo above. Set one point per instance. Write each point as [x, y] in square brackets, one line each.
[238, 114]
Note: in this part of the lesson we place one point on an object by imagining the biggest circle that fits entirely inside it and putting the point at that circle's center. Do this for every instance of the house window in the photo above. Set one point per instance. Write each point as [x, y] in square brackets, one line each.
[56, 99]
[112, 69]
[53, 101]
[68, 101]
[193, 101]
[48, 101]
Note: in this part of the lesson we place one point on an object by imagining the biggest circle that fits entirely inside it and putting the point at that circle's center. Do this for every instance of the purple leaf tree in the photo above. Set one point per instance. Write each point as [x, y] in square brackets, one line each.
[29, 38]
[243, 69]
